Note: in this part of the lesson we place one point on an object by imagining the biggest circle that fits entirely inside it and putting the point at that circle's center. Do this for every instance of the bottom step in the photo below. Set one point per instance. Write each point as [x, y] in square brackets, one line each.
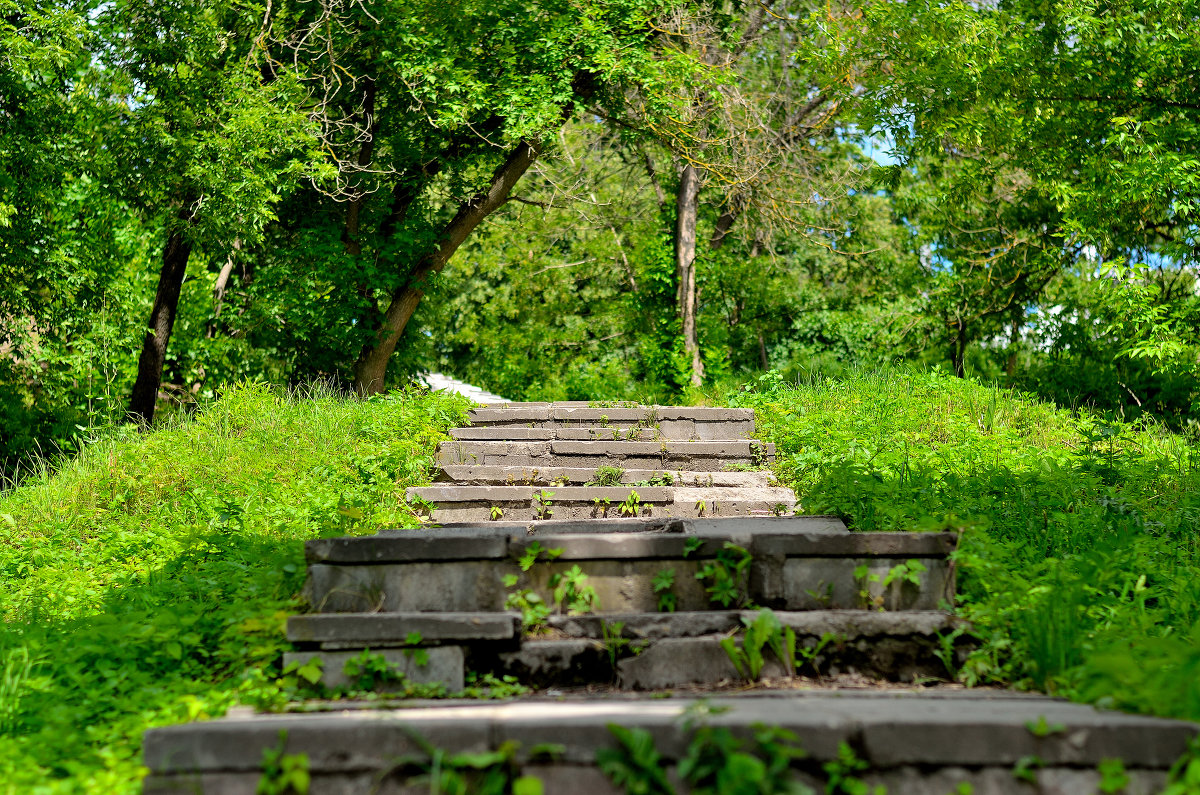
[927, 742]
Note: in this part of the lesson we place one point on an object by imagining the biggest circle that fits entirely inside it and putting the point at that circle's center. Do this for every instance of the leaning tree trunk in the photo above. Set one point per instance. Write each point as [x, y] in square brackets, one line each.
[685, 265]
[371, 368]
[162, 320]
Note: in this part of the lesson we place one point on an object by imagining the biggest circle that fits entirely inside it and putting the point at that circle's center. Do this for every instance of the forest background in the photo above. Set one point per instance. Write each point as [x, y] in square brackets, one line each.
[592, 199]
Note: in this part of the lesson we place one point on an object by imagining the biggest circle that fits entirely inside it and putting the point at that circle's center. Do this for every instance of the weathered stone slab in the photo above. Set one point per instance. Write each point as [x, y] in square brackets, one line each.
[393, 629]
[488, 494]
[844, 624]
[878, 545]
[607, 434]
[619, 546]
[760, 526]
[905, 735]
[509, 414]
[569, 414]
[503, 433]
[471, 542]
[443, 665]
[456, 586]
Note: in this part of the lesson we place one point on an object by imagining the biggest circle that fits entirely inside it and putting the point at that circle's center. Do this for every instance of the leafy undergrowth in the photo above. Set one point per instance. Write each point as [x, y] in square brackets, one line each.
[146, 582]
[1079, 563]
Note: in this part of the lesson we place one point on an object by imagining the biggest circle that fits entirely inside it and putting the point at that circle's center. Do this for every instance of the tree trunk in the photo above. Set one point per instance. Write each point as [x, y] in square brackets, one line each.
[958, 350]
[371, 368]
[685, 265]
[1014, 336]
[162, 320]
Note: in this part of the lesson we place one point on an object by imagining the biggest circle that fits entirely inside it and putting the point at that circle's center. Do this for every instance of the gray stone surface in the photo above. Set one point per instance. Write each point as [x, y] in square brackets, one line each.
[895, 730]
[503, 433]
[461, 543]
[444, 665]
[374, 629]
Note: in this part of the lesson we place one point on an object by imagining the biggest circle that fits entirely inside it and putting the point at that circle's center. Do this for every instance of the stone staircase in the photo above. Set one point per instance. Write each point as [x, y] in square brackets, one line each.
[611, 557]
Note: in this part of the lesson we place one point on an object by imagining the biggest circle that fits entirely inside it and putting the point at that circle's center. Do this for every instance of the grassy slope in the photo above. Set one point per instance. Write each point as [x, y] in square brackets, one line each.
[1080, 563]
[147, 582]
[149, 579]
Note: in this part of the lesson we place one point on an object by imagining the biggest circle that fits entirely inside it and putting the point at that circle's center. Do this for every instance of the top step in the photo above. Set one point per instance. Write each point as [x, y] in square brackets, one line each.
[666, 422]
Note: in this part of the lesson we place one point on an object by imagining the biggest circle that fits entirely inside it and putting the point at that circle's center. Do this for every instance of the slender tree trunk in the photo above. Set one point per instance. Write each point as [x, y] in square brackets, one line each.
[162, 320]
[219, 289]
[685, 265]
[1014, 336]
[762, 350]
[958, 350]
[371, 368]
[365, 152]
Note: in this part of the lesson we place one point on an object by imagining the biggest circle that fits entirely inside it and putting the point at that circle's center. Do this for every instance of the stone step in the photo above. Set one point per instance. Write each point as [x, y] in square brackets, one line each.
[666, 422]
[465, 569]
[455, 503]
[668, 455]
[637, 651]
[576, 476]
[911, 741]
[657, 651]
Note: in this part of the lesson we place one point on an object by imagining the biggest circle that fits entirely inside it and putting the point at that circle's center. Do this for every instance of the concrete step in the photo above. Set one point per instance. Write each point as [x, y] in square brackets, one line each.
[668, 455]
[455, 503]
[636, 651]
[577, 476]
[910, 741]
[657, 651]
[465, 569]
[666, 422]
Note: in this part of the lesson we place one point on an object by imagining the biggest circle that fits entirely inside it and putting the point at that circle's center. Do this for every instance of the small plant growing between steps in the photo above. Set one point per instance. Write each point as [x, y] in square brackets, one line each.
[495, 772]
[663, 582]
[715, 761]
[283, 773]
[497, 513]
[726, 577]
[607, 476]
[533, 609]
[600, 507]
[370, 671]
[572, 594]
[631, 505]
[535, 552]
[843, 774]
[541, 505]
[906, 573]
[762, 632]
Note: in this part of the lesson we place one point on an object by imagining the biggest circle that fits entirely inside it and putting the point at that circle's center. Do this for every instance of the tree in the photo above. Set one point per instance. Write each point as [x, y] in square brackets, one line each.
[1092, 109]
[207, 134]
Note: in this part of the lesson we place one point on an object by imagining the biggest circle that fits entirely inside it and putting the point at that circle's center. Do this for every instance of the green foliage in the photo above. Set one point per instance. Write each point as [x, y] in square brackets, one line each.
[663, 582]
[283, 773]
[571, 591]
[482, 773]
[532, 607]
[762, 632]
[726, 577]
[714, 763]
[607, 476]
[1078, 558]
[155, 571]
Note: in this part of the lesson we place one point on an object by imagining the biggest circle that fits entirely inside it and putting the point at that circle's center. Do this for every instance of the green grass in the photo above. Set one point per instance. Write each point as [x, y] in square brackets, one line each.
[1079, 563]
[146, 582]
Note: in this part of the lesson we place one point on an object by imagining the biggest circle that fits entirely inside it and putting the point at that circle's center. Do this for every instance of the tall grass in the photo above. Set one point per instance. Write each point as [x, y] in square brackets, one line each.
[1080, 558]
[152, 573]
